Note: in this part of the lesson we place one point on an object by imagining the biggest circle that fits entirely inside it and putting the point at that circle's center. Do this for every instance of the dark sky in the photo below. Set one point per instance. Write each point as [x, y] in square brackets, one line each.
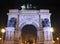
[53, 5]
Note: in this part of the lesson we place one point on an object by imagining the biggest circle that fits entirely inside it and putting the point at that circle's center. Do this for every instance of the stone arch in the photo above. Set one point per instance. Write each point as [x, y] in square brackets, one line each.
[23, 24]
[29, 34]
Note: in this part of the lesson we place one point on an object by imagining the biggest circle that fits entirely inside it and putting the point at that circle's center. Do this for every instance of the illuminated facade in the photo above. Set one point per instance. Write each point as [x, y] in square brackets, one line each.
[28, 27]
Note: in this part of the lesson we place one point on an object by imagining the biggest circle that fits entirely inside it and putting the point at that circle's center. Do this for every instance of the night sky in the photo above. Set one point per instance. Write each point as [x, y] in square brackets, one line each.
[52, 5]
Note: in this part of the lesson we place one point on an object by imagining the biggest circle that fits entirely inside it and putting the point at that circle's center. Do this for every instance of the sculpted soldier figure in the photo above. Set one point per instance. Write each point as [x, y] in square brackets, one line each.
[12, 22]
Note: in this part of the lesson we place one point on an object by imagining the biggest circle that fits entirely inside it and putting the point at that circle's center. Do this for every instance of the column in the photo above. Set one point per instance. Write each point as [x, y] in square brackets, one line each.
[38, 37]
[20, 38]
[41, 37]
[9, 39]
[16, 34]
[47, 36]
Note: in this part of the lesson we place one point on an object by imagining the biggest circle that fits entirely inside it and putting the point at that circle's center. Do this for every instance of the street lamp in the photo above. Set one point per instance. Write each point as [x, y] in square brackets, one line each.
[53, 42]
[0, 40]
[2, 31]
[51, 29]
[57, 40]
[52, 32]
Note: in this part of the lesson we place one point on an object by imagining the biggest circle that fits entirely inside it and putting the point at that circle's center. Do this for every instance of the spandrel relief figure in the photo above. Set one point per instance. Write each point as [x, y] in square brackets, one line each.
[46, 23]
[12, 22]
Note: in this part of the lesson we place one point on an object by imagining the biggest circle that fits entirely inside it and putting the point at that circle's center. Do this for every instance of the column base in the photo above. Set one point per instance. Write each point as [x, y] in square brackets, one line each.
[9, 42]
[47, 42]
[40, 42]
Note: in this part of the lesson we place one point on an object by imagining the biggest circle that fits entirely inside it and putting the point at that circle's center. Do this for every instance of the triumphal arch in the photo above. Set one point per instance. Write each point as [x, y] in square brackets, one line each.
[28, 27]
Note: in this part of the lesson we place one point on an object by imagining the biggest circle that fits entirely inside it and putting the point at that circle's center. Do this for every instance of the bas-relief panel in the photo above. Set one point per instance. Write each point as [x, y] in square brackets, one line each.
[46, 22]
[29, 19]
[11, 22]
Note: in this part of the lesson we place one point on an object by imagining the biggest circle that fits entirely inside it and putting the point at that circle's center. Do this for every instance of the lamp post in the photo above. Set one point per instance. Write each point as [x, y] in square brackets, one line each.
[51, 29]
[52, 33]
[53, 42]
[57, 40]
[0, 40]
[2, 31]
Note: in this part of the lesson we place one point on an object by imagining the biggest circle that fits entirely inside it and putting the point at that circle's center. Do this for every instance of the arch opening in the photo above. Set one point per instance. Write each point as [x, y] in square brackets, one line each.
[29, 34]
